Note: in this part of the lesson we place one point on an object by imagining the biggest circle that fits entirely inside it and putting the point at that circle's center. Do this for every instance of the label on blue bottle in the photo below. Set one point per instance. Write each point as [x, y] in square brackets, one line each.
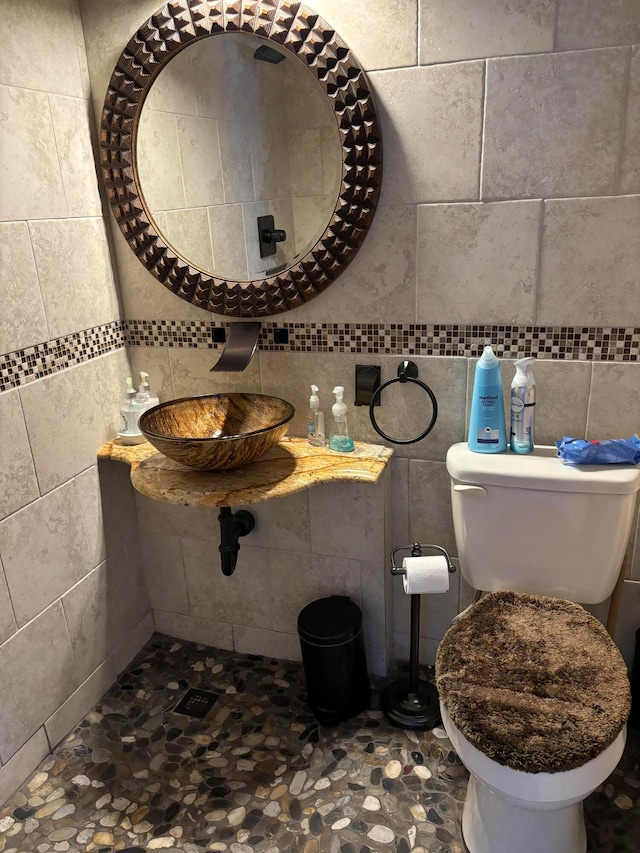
[488, 436]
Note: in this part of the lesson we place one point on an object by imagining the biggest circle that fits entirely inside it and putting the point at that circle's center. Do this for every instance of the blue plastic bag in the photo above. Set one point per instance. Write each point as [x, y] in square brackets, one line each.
[615, 451]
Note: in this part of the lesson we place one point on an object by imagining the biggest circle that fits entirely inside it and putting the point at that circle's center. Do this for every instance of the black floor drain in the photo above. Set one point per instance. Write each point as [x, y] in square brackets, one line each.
[196, 703]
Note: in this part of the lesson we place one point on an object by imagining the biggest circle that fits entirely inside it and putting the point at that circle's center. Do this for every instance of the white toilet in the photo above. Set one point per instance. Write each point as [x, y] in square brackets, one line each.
[542, 530]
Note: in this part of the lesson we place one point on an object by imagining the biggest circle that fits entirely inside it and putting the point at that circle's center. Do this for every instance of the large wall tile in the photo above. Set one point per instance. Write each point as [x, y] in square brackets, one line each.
[90, 500]
[38, 47]
[552, 124]
[199, 161]
[38, 664]
[155, 362]
[614, 404]
[74, 268]
[82, 49]
[590, 262]
[376, 616]
[451, 30]
[430, 501]
[562, 398]
[29, 171]
[71, 118]
[43, 554]
[241, 598]
[478, 263]
[69, 714]
[132, 644]
[296, 580]
[191, 371]
[235, 178]
[7, 619]
[18, 484]
[65, 441]
[629, 178]
[282, 523]
[22, 764]
[112, 371]
[272, 644]
[380, 282]
[101, 611]
[44, 550]
[399, 502]
[293, 383]
[164, 570]
[218, 635]
[188, 232]
[19, 327]
[158, 156]
[174, 89]
[601, 24]
[357, 534]
[190, 522]
[381, 33]
[406, 410]
[430, 154]
[229, 252]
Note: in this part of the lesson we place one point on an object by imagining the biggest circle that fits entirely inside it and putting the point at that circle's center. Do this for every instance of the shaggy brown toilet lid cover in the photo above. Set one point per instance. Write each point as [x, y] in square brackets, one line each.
[534, 683]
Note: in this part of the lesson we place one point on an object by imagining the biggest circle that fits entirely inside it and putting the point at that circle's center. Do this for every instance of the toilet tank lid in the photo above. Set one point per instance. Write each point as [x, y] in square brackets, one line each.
[541, 470]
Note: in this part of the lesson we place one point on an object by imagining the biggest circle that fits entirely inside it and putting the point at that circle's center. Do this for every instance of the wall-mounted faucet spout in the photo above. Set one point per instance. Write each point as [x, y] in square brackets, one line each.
[241, 344]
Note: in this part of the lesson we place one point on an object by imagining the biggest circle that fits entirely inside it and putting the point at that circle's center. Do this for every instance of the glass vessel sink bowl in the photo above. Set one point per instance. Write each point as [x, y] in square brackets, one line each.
[217, 432]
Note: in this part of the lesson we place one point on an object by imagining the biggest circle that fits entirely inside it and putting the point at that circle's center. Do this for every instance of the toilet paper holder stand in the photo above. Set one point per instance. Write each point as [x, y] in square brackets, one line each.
[416, 551]
[413, 703]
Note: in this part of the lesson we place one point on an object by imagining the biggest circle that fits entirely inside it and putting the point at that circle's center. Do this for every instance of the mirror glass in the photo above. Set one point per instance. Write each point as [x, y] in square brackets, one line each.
[235, 128]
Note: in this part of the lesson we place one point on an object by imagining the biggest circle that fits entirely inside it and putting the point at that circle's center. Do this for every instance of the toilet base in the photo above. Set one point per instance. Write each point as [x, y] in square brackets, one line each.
[491, 824]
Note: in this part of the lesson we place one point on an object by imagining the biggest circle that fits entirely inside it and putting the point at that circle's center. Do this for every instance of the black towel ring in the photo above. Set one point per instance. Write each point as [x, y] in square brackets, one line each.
[407, 372]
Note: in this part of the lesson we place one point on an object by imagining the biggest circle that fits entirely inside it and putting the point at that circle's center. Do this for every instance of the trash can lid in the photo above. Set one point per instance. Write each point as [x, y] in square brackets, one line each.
[330, 621]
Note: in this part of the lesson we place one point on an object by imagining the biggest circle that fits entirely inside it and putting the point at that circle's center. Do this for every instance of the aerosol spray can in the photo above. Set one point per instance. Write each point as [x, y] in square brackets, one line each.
[523, 406]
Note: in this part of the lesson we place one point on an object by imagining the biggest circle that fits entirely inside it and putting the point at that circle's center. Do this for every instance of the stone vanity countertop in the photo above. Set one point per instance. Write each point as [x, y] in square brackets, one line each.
[289, 467]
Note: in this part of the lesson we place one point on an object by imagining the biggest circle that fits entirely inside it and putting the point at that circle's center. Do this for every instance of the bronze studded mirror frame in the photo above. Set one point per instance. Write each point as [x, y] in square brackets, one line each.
[301, 31]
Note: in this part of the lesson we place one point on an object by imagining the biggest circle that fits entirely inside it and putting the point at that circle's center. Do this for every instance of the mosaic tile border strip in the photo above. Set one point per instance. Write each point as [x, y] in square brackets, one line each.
[580, 343]
[31, 363]
[562, 343]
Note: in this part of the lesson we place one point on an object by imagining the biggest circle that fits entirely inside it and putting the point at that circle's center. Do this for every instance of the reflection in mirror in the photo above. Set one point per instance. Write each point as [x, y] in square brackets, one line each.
[233, 129]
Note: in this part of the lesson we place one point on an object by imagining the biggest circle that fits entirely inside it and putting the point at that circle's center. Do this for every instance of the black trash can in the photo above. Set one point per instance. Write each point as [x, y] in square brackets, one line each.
[333, 658]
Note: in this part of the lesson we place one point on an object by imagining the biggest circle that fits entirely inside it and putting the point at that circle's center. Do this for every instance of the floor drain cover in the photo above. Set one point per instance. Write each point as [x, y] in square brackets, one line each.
[196, 703]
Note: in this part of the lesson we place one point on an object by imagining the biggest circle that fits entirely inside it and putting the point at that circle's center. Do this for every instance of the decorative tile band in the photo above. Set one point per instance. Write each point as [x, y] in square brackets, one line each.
[25, 365]
[580, 343]
[568, 343]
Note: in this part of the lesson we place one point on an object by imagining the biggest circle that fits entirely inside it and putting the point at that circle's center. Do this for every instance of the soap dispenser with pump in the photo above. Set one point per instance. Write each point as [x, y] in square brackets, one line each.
[130, 411]
[144, 397]
[340, 438]
[315, 420]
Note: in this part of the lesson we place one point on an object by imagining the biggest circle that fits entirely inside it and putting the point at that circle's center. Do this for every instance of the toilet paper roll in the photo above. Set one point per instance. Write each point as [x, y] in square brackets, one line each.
[425, 574]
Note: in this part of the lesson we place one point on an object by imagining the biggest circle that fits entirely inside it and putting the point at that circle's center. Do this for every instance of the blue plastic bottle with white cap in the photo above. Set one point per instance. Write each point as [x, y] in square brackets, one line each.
[487, 426]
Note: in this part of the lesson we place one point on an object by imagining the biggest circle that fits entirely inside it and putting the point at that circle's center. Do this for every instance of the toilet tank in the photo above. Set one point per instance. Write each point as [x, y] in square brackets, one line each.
[530, 523]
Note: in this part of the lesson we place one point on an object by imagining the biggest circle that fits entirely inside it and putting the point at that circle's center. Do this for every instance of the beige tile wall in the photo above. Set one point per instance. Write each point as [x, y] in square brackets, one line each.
[73, 611]
[495, 208]
[510, 167]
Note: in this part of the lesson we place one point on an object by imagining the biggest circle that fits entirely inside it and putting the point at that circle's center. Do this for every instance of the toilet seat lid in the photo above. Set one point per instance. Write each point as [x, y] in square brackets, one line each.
[535, 683]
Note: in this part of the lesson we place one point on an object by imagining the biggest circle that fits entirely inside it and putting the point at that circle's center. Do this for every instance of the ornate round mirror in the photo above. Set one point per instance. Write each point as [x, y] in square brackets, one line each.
[243, 171]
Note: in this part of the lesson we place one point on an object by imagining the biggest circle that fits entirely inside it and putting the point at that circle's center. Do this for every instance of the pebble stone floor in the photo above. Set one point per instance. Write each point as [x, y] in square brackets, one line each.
[258, 773]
